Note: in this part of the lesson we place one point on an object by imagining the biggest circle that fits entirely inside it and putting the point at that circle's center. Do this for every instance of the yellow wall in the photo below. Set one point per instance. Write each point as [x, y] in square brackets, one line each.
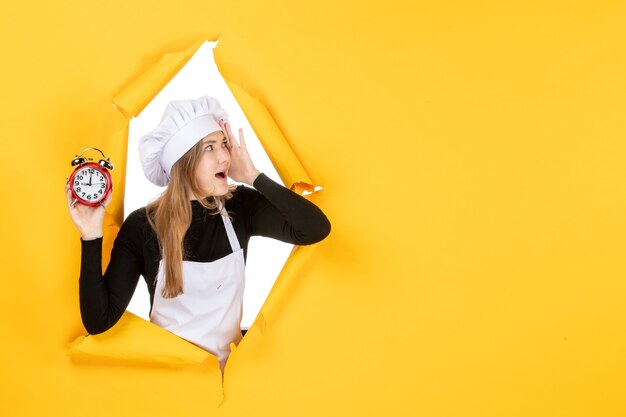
[472, 158]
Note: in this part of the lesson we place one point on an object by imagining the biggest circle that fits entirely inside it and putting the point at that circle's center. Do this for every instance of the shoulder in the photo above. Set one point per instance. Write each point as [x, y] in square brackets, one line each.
[133, 233]
[243, 191]
[242, 196]
[136, 218]
[242, 204]
[135, 225]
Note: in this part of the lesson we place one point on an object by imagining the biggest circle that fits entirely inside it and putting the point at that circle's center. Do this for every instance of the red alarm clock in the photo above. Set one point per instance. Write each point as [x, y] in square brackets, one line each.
[90, 182]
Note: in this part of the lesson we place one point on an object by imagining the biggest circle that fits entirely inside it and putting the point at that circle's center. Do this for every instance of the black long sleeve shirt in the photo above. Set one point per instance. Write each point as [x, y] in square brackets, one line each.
[268, 209]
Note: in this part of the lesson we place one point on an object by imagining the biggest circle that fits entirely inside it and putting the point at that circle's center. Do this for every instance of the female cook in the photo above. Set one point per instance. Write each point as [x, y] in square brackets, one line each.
[190, 244]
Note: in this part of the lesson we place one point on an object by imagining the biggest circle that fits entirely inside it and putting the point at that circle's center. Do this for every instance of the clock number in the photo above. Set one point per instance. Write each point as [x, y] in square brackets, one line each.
[88, 196]
[75, 182]
[102, 186]
[83, 195]
[78, 189]
[80, 177]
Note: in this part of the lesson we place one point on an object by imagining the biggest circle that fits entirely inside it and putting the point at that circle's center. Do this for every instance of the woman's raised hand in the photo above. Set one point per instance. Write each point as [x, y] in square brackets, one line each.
[241, 167]
[87, 219]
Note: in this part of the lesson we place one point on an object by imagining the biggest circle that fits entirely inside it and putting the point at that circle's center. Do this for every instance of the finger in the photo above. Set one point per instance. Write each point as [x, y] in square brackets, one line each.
[68, 194]
[228, 145]
[241, 141]
[230, 133]
[229, 140]
[107, 200]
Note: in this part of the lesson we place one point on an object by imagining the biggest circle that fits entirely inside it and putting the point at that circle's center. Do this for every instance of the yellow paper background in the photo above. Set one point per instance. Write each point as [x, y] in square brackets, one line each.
[471, 155]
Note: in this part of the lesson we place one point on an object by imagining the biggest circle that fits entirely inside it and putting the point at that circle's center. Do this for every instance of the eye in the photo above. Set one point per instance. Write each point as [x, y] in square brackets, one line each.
[208, 148]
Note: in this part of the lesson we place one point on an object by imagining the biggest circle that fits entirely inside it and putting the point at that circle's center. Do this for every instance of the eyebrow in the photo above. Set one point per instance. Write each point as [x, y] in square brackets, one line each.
[206, 141]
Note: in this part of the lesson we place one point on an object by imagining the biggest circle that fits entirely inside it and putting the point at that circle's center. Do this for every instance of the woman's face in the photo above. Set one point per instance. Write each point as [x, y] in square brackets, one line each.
[212, 169]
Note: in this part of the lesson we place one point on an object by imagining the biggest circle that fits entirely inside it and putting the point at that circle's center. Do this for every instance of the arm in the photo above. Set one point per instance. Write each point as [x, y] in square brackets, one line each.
[279, 213]
[103, 299]
[276, 211]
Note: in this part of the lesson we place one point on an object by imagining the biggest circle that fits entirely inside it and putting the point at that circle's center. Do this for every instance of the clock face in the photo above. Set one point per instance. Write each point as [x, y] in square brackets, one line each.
[89, 184]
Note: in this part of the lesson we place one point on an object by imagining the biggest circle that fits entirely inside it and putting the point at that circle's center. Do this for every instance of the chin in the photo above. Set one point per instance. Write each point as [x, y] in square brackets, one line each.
[220, 190]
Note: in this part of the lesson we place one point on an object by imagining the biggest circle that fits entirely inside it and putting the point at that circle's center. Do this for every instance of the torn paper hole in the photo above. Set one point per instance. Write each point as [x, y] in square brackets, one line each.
[136, 342]
[315, 189]
[125, 341]
[200, 76]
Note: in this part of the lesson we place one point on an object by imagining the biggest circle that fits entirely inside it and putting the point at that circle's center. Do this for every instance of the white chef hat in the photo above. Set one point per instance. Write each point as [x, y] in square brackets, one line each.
[184, 123]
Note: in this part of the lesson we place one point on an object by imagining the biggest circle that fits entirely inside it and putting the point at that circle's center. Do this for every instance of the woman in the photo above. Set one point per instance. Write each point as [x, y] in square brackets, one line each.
[190, 244]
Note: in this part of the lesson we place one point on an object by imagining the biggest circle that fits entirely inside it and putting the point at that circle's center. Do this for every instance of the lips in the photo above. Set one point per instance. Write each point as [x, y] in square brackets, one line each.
[221, 175]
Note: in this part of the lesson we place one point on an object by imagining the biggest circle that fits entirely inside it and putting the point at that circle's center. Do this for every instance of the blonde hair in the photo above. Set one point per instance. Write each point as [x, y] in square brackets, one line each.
[170, 216]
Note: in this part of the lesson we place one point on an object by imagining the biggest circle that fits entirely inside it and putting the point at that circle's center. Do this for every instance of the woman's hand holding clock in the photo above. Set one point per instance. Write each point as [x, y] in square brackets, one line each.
[88, 219]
